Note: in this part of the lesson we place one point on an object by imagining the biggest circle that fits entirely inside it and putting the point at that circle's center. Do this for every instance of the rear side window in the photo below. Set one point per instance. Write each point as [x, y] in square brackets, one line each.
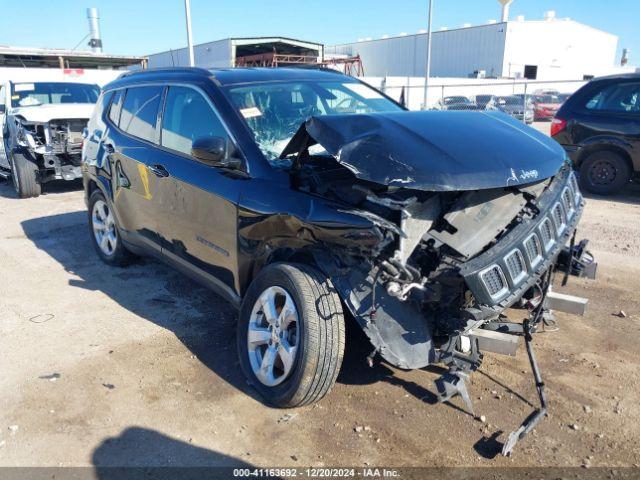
[116, 107]
[188, 116]
[96, 119]
[621, 97]
[140, 112]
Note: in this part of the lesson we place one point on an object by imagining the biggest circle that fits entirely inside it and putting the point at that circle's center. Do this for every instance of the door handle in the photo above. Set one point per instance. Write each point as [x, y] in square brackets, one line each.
[158, 170]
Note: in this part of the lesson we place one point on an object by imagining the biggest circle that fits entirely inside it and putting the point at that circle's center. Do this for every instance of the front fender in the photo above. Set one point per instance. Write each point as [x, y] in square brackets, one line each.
[284, 222]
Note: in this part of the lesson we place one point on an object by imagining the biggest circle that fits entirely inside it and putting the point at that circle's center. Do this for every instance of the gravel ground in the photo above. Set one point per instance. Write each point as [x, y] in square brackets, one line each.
[137, 366]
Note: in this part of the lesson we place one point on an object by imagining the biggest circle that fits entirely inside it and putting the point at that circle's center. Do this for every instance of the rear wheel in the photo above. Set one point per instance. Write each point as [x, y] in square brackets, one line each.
[105, 236]
[24, 176]
[604, 173]
[291, 335]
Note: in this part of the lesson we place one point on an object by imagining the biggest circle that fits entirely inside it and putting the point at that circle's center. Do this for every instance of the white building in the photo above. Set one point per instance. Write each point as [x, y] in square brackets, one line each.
[549, 49]
[226, 53]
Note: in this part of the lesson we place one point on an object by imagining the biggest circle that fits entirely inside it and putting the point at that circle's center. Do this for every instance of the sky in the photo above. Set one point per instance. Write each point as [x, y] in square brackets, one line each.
[141, 27]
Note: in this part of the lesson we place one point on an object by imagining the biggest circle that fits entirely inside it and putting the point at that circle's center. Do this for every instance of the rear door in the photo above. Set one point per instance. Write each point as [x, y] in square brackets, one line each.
[612, 110]
[198, 202]
[133, 134]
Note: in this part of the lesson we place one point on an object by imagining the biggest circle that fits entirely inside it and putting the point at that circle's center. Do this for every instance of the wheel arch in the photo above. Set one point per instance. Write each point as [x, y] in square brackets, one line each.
[613, 147]
[306, 256]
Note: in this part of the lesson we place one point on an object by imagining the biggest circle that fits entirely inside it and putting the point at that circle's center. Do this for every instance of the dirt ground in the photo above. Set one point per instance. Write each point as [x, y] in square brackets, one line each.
[137, 366]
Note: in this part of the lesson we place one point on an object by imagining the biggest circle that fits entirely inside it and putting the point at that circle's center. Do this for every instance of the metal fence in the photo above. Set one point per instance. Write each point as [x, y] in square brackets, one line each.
[527, 101]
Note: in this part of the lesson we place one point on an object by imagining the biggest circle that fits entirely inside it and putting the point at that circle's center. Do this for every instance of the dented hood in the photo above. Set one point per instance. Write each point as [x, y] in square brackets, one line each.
[434, 150]
[54, 111]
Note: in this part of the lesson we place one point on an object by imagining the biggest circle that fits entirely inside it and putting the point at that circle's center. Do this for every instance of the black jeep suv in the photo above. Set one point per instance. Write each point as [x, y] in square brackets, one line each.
[599, 127]
[303, 195]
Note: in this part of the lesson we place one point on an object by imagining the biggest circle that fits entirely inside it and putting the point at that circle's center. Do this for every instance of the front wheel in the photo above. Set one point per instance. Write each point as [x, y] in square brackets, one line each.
[604, 173]
[104, 232]
[24, 176]
[291, 335]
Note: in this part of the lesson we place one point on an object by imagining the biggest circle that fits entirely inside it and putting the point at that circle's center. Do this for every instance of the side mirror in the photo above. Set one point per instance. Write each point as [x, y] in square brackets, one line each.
[213, 151]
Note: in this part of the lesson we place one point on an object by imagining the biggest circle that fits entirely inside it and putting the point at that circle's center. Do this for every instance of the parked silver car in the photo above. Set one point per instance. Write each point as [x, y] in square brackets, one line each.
[514, 106]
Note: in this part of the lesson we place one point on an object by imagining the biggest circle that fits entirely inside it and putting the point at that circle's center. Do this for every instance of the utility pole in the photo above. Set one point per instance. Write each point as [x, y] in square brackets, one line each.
[187, 9]
[428, 69]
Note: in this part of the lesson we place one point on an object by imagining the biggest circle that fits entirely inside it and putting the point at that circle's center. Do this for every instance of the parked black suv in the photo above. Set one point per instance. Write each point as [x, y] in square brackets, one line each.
[303, 195]
[599, 127]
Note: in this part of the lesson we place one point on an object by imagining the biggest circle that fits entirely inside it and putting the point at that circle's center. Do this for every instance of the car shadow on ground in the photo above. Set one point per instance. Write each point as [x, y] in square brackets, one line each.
[201, 320]
[49, 188]
[142, 453]
[356, 370]
[629, 195]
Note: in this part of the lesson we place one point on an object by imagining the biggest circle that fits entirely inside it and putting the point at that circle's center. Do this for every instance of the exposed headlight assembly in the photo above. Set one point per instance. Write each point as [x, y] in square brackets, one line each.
[26, 134]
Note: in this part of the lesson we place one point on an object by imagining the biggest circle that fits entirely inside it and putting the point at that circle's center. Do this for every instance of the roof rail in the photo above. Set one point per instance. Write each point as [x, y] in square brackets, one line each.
[313, 66]
[149, 71]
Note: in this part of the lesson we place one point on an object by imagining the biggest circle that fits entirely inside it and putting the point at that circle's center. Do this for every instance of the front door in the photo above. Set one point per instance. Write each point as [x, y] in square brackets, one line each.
[198, 201]
[4, 108]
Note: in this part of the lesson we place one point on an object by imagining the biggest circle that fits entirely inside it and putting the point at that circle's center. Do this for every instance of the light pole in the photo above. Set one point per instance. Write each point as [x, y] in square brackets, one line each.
[428, 68]
[187, 9]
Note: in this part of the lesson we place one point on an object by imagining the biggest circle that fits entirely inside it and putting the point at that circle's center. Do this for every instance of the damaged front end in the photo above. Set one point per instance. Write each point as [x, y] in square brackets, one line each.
[472, 213]
[54, 145]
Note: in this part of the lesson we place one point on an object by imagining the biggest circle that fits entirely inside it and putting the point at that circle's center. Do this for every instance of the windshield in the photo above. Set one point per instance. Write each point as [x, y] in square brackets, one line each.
[547, 99]
[39, 93]
[511, 100]
[450, 100]
[275, 111]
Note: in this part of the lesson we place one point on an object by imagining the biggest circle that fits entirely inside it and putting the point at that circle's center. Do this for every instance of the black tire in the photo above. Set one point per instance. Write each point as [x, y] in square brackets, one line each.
[120, 256]
[604, 173]
[24, 176]
[320, 334]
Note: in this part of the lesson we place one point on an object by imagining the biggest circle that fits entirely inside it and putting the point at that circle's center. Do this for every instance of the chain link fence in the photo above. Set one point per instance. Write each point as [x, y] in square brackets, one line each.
[527, 101]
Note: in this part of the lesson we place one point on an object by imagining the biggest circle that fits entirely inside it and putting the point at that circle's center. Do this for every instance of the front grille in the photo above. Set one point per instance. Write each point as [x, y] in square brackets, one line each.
[494, 281]
[504, 272]
[516, 266]
[533, 249]
[567, 200]
[573, 184]
[558, 218]
[546, 233]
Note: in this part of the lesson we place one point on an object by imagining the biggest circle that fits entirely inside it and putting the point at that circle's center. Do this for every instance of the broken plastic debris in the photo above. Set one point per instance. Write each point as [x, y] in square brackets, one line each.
[287, 417]
[45, 317]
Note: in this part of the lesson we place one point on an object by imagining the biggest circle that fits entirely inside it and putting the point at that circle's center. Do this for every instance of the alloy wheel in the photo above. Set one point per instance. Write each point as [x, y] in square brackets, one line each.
[104, 228]
[272, 336]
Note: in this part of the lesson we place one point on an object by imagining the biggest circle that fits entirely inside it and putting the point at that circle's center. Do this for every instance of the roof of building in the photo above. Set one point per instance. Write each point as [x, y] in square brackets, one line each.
[55, 57]
[468, 27]
[247, 41]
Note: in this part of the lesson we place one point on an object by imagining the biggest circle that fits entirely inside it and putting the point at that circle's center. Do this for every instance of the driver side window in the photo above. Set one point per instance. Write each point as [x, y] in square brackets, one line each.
[188, 116]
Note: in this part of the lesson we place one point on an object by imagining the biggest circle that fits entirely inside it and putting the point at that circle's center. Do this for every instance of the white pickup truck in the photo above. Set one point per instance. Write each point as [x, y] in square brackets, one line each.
[41, 126]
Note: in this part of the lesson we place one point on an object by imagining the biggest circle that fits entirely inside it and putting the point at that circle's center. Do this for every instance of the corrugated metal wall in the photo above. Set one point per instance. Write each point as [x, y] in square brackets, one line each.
[207, 55]
[456, 53]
